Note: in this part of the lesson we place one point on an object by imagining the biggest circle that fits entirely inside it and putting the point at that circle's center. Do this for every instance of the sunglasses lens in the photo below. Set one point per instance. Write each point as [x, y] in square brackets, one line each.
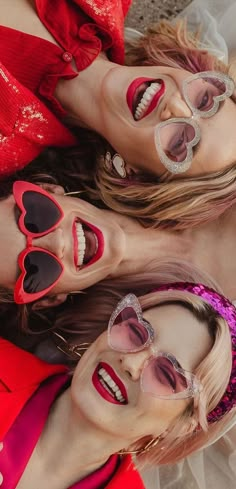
[174, 139]
[127, 333]
[160, 378]
[42, 270]
[201, 92]
[41, 212]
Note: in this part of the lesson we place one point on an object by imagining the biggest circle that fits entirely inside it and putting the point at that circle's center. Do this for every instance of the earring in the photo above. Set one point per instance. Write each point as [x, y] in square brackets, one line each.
[72, 351]
[116, 163]
[77, 192]
[76, 292]
[151, 444]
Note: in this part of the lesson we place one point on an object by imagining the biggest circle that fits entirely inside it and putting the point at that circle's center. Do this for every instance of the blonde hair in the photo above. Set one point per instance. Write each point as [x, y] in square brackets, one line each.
[184, 435]
[89, 317]
[163, 202]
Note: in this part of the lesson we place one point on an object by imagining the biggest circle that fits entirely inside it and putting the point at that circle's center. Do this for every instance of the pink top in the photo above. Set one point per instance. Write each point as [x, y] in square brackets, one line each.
[21, 441]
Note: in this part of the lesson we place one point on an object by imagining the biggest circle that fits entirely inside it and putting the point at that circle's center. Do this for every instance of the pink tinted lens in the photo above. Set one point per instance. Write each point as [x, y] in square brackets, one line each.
[174, 139]
[202, 92]
[127, 332]
[160, 378]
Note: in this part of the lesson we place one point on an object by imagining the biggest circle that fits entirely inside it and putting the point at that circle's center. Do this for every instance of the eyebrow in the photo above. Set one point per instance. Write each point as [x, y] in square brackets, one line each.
[196, 149]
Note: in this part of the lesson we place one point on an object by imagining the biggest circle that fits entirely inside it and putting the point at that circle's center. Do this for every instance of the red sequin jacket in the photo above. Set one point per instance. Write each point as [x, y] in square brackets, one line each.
[82, 29]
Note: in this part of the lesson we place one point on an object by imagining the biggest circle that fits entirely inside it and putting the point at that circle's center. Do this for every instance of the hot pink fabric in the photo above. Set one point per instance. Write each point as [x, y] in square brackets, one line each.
[21, 439]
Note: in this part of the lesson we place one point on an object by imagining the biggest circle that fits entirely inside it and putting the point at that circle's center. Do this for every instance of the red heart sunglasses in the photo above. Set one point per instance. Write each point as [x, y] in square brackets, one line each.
[40, 269]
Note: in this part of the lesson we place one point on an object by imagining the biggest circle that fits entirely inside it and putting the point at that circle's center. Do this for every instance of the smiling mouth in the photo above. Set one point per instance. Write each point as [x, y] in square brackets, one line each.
[108, 385]
[143, 96]
[88, 243]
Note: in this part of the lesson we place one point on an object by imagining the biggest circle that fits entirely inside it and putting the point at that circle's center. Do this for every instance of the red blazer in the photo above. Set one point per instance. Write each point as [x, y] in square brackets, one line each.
[21, 373]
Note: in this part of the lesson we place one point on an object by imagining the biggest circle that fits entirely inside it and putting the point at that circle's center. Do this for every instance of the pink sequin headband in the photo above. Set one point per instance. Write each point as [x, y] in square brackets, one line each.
[227, 311]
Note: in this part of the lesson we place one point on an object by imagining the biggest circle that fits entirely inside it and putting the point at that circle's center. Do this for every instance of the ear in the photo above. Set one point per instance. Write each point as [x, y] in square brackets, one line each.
[49, 301]
[54, 189]
[131, 171]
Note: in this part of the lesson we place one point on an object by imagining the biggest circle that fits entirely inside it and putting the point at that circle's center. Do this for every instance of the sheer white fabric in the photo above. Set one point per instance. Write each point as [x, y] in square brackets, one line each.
[213, 467]
[217, 19]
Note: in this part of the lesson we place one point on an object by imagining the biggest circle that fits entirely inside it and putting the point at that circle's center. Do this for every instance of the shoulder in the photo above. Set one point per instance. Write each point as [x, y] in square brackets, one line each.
[20, 369]
[21, 373]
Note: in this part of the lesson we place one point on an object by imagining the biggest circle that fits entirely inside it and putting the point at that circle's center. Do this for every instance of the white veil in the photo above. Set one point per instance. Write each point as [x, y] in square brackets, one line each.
[213, 467]
[217, 20]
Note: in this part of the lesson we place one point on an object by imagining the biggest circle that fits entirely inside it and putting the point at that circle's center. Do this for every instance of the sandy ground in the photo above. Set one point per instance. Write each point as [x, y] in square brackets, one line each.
[144, 12]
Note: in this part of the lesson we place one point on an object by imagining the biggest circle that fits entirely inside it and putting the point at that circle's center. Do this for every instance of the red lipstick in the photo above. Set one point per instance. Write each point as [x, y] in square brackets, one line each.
[106, 392]
[136, 87]
[132, 90]
[74, 234]
[100, 242]
[97, 242]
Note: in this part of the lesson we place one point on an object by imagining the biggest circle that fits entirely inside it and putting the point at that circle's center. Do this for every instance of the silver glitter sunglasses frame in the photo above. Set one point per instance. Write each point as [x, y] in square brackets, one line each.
[130, 300]
[183, 166]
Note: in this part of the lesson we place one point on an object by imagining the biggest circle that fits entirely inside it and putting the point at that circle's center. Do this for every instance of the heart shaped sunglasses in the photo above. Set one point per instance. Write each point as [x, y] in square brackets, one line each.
[162, 376]
[175, 138]
[40, 269]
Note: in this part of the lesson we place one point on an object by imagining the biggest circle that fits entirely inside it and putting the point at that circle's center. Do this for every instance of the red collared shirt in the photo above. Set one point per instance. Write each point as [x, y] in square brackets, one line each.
[82, 28]
[31, 66]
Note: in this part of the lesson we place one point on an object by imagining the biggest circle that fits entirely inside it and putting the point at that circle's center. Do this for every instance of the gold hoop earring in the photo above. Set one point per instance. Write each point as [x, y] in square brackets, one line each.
[76, 192]
[76, 292]
[151, 444]
[71, 351]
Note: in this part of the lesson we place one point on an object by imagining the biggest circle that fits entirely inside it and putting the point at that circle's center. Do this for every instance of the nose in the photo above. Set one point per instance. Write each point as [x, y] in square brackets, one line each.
[175, 106]
[53, 242]
[133, 363]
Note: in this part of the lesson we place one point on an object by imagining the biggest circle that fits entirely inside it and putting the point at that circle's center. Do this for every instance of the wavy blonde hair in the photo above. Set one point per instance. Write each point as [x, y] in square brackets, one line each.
[167, 202]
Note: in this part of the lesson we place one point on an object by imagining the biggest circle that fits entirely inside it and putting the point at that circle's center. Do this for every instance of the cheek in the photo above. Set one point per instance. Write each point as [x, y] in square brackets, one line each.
[158, 415]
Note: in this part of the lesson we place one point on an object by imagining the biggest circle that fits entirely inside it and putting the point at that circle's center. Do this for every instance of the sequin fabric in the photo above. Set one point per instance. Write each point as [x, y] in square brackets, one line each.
[110, 13]
[226, 310]
[26, 125]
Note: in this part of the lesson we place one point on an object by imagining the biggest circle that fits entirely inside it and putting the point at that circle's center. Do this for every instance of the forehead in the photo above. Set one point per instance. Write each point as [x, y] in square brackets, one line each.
[177, 331]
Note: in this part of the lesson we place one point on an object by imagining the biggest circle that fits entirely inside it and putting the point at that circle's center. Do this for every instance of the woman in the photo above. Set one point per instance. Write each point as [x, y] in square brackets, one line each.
[162, 417]
[79, 245]
[55, 243]
[132, 107]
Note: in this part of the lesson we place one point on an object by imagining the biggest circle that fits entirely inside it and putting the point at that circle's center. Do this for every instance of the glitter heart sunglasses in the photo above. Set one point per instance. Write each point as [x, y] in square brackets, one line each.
[176, 138]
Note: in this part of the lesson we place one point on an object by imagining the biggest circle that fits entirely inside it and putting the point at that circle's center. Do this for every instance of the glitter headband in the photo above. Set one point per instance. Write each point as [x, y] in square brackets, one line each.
[228, 312]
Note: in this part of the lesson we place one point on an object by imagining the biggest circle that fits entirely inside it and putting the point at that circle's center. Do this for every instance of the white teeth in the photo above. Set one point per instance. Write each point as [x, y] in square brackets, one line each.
[110, 385]
[81, 243]
[146, 100]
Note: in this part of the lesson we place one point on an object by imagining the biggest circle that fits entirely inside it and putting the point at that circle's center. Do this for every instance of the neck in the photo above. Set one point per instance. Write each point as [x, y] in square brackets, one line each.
[143, 248]
[209, 247]
[69, 448]
[213, 250]
[81, 96]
